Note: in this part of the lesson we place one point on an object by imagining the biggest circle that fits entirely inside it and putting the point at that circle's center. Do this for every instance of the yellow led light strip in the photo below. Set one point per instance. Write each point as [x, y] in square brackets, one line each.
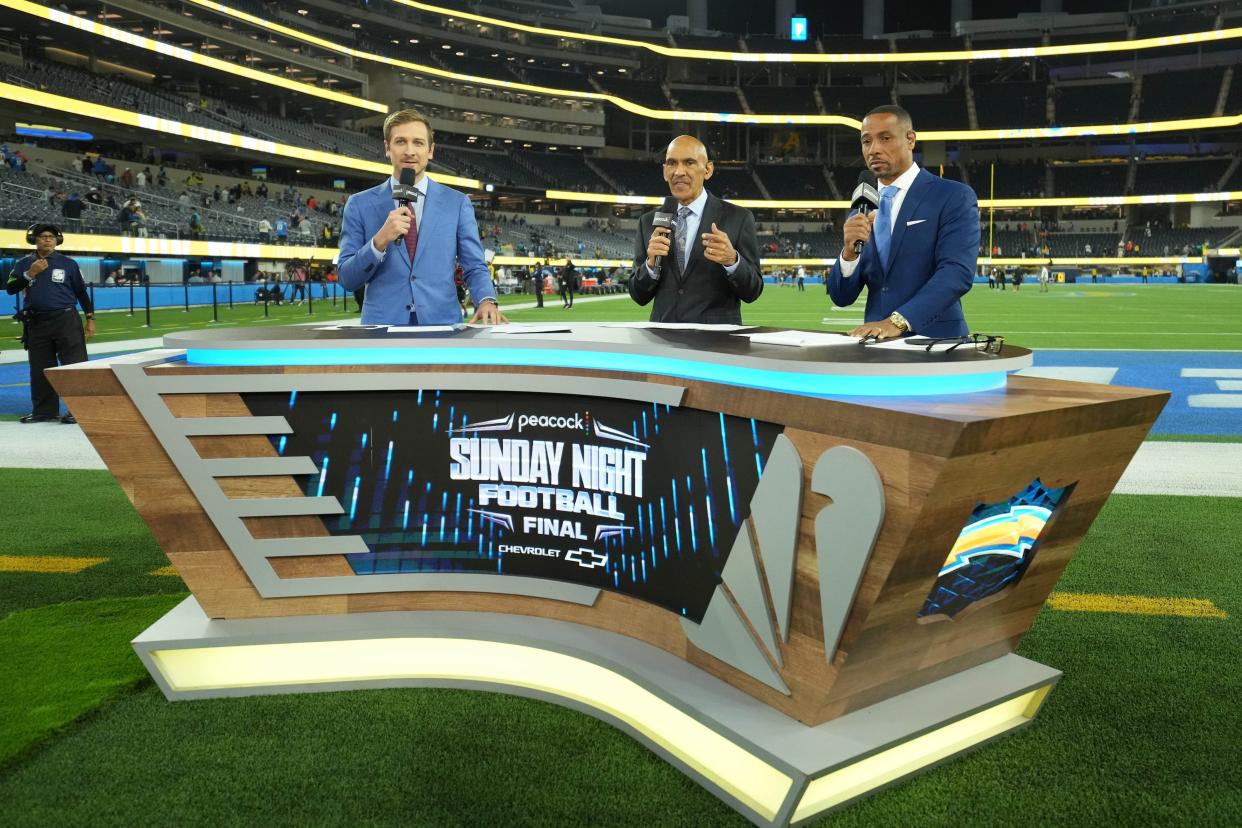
[179, 53]
[1024, 133]
[890, 765]
[87, 243]
[998, 203]
[734, 769]
[60, 103]
[815, 57]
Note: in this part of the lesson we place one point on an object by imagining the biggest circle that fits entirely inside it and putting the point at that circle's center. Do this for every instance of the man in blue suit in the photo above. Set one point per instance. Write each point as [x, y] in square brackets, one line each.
[921, 246]
[406, 256]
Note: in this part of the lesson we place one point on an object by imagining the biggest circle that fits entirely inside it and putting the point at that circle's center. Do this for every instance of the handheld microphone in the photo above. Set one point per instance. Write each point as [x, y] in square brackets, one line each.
[665, 217]
[865, 199]
[405, 193]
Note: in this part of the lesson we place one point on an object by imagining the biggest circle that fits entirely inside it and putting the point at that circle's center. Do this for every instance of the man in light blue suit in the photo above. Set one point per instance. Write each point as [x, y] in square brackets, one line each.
[921, 246]
[406, 256]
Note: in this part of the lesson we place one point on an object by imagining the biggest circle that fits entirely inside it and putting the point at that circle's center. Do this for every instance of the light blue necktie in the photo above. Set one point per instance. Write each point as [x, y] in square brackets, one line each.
[884, 223]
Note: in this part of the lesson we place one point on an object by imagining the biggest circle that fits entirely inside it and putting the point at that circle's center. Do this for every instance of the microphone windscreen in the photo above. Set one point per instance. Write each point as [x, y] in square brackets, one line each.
[407, 177]
[669, 205]
[867, 177]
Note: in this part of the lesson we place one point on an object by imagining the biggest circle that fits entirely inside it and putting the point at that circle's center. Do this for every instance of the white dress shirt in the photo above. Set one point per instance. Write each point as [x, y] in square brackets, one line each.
[693, 220]
[903, 183]
[421, 186]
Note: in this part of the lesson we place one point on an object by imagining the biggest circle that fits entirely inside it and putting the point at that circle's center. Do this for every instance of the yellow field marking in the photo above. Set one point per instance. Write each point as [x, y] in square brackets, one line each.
[1135, 605]
[47, 563]
[164, 570]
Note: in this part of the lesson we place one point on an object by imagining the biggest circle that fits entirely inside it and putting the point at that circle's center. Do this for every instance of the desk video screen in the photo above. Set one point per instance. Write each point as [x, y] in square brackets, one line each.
[641, 498]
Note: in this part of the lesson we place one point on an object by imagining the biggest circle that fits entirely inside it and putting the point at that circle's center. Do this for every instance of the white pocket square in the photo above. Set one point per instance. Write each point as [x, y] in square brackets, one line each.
[916, 221]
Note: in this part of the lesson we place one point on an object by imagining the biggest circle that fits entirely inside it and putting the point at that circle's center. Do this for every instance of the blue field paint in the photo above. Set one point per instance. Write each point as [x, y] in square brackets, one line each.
[1198, 404]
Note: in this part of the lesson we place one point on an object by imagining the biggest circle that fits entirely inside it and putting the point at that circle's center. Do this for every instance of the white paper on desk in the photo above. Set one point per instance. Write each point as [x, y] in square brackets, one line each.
[423, 328]
[511, 329]
[800, 339]
[680, 326]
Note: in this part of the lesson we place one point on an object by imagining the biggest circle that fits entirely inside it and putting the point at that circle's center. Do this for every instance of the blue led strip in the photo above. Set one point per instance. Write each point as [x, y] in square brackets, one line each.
[809, 385]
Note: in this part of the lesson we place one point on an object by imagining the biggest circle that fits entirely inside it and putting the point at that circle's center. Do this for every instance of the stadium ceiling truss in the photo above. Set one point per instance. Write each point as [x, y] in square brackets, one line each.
[799, 119]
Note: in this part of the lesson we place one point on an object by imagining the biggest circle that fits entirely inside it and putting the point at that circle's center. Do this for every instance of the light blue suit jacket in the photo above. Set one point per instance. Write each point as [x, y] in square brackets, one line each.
[931, 261]
[447, 236]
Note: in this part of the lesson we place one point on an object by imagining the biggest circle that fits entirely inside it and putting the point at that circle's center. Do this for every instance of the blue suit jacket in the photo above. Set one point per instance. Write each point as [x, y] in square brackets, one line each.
[931, 262]
[448, 235]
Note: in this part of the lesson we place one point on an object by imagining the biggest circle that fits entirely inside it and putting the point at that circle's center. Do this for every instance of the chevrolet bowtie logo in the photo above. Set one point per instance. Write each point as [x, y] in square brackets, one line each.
[588, 558]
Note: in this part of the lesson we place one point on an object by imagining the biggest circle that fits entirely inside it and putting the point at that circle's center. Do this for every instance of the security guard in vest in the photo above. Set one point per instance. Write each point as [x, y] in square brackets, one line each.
[52, 329]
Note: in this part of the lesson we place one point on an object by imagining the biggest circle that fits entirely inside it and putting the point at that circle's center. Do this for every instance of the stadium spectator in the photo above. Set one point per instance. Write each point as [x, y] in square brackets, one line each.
[708, 264]
[265, 230]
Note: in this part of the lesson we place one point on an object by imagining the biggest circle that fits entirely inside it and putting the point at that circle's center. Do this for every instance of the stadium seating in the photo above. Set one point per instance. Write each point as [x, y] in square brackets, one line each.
[1097, 103]
[702, 100]
[794, 181]
[1014, 104]
[944, 111]
[1189, 93]
[781, 100]
[1089, 179]
[1195, 176]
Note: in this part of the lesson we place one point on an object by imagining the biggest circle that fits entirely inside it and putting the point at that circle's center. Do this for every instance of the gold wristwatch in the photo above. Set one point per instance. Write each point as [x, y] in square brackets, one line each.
[899, 320]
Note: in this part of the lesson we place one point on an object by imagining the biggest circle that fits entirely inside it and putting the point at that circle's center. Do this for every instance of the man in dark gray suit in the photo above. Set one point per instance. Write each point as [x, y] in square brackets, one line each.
[707, 264]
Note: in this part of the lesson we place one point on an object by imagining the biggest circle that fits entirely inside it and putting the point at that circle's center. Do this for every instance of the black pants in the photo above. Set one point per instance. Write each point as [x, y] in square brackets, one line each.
[567, 296]
[539, 293]
[52, 338]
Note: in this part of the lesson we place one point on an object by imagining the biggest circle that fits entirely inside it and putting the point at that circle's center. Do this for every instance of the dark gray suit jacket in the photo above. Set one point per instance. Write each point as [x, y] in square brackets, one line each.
[704, 292]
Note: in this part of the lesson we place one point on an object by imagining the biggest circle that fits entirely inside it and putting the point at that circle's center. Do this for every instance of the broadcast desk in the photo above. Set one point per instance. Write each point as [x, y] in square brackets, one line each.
[797, 573]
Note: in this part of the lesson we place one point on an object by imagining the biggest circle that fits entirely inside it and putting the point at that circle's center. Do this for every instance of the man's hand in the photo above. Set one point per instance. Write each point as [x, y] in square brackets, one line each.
[90, 328]
[39, 265]
[488, 313]
[879, 330]
[857, 228]
[396, 226]
[717, 247]
[658, 246]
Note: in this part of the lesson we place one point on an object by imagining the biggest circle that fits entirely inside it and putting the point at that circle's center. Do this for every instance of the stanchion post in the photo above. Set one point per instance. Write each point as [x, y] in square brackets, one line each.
[146, 295]
[186, 285]
[230, 294]
[266, 294]
[131, 298]
[215, 307]
[310, 298]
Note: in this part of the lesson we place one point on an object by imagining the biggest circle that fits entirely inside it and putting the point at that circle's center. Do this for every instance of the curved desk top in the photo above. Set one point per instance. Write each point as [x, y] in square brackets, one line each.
[722, 356]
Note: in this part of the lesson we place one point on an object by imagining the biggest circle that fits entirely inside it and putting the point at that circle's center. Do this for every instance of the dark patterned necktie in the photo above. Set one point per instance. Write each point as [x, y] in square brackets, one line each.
[679, 238]
[411, 238]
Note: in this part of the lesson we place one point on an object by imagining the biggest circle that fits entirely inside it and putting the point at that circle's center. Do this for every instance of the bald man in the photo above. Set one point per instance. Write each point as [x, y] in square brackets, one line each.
[707, 264]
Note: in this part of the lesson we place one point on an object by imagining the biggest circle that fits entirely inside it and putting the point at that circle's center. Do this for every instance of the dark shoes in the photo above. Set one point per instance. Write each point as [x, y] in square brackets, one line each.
[68, 419]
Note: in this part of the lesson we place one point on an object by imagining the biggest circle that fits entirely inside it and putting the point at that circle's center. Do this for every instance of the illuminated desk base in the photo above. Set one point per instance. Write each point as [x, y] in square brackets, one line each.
[771, 768]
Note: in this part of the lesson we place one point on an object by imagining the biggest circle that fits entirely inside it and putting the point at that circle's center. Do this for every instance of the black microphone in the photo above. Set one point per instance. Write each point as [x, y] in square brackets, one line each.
[865, 199]
[665, 217]
[406, 194]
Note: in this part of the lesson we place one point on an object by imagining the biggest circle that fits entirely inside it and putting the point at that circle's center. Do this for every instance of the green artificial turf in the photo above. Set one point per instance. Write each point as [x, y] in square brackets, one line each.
[64, 660]
[114, 326]
[80, 514]
[1164, 317]
[1142, 730]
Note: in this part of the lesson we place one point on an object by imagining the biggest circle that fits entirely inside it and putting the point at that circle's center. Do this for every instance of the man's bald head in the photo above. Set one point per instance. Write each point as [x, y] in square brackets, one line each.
[686, 167]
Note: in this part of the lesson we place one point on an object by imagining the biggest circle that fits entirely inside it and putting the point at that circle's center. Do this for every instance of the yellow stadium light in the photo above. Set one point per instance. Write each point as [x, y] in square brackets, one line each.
[60, 103]
[997, 203]
[795, 119]
[179, 53]
[871, 57]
